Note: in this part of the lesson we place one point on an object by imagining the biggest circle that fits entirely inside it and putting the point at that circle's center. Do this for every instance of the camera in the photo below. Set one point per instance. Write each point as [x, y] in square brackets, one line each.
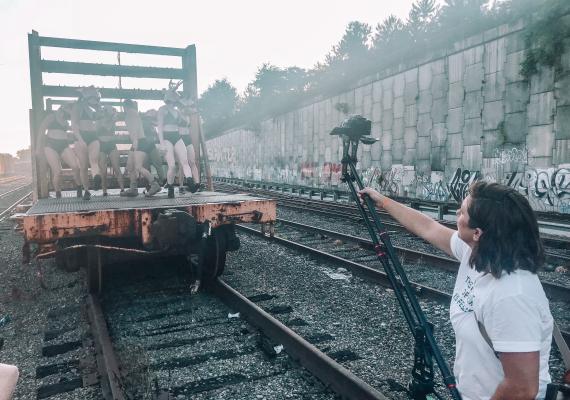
[356, 129]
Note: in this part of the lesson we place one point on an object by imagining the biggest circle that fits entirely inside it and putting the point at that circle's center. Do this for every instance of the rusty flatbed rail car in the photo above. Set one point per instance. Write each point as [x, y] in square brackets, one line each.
[200, 224]
[77, 232]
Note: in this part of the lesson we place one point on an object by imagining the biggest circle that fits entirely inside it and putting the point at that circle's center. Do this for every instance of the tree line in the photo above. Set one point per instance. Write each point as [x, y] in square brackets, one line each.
[363, 50]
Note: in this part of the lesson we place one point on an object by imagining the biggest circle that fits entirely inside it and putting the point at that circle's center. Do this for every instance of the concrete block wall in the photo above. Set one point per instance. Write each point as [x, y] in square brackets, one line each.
[462, 114]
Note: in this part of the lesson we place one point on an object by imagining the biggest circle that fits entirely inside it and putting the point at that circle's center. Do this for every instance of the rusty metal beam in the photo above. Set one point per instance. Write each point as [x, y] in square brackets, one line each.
[107, 93]
[110, 46]
[79, 68]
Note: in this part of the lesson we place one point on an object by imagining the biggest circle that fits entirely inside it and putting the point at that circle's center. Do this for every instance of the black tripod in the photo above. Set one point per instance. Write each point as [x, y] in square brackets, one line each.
[354, 131]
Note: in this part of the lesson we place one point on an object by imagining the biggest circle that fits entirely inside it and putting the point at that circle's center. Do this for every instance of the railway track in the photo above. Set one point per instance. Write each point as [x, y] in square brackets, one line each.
[6, 210]
[9, 192]
[214, 345]
[356, 254]
[350, 212]
[327, 237]
[343, 195]
[11, 179]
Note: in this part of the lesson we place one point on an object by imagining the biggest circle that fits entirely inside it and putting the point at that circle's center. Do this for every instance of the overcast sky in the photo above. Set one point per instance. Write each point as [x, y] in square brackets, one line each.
[232, 38]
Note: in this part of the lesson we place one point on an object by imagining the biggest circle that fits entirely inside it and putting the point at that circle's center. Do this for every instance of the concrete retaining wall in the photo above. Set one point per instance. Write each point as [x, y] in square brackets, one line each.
[462, 114]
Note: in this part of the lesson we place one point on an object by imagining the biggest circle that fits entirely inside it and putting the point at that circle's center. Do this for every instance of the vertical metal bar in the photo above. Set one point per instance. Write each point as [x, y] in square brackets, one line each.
[37, 110]
[190, 81]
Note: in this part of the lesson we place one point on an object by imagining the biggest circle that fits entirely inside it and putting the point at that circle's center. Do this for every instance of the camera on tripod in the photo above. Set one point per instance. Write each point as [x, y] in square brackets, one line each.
[355, 129]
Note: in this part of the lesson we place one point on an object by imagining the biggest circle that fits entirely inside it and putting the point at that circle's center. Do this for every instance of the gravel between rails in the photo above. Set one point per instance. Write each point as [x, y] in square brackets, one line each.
[167, 338]
[400, 239]
[361, 317]
[31, 309]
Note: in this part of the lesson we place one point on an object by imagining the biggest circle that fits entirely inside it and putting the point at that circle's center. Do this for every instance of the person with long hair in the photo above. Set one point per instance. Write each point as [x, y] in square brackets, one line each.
[499, 311]
[169, 122]
[108, 148]
[155, 158]
[143, 144]
[54, 144]
[190, 135]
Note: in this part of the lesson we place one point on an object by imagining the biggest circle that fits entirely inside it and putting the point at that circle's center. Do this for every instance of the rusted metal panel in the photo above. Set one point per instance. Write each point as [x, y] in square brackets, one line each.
[253, 211]
[112, 223]
[53, 219]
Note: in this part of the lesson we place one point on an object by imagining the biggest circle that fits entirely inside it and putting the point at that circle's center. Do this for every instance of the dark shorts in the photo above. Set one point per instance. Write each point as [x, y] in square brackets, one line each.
[58, 145]
[107, 147]
[89, 136]
[172, 137]
[145, 145]
[186, 139]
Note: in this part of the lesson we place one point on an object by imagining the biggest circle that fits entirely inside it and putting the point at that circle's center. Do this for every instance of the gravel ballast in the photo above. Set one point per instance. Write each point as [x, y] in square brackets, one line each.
[351, 315]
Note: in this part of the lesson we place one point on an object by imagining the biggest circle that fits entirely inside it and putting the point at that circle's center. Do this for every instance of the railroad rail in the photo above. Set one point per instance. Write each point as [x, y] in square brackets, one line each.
[5, 194]
[12, 206]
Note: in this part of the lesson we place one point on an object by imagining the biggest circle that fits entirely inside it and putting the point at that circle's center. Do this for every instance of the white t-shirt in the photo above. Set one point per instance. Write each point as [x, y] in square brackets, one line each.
[516, 316]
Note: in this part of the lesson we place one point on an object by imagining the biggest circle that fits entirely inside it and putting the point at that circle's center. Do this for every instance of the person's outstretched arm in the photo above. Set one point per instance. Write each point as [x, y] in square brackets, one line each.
[413, 220]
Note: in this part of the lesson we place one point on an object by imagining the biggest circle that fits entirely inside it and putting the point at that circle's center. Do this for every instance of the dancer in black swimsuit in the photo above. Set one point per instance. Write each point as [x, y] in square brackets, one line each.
[155, 159]
[84, 116]
[142, 146]
[170, 120]
[191, 137]
[53, 142]
[108, 149]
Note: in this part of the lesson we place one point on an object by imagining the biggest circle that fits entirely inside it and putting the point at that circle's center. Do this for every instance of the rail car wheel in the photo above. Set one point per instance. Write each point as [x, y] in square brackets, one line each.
[215, 255]
[94, 270]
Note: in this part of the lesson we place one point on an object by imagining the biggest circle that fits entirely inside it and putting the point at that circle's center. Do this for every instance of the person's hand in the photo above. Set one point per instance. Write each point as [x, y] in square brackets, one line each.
[376, 197]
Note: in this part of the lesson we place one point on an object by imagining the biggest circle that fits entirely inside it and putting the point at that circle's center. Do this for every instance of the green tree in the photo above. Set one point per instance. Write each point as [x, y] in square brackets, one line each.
[466, 13]
[218, 102]
[353, 45]
[272, 81]
[421, 19]
[387, 33]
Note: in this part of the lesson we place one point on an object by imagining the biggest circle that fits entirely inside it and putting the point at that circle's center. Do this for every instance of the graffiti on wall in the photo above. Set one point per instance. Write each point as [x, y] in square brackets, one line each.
[388, 182]
[459, 184]
[330, 174]
[547, 189]
[431, 188]
[550, 186]
[307, 171]
[514, 155]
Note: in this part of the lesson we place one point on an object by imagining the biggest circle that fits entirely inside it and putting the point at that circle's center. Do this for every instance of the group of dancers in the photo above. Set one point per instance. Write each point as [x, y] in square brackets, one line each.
[82, 136]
